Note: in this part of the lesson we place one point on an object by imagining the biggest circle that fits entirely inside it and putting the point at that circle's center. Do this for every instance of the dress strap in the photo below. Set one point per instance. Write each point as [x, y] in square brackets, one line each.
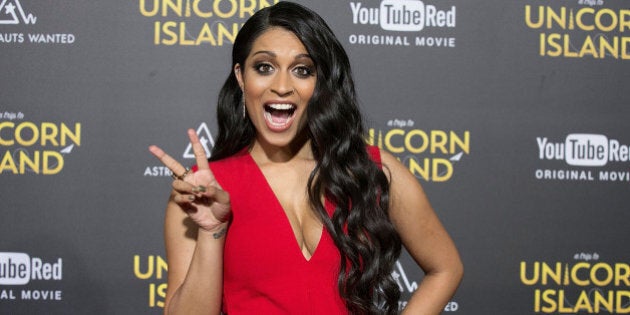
[375, 154]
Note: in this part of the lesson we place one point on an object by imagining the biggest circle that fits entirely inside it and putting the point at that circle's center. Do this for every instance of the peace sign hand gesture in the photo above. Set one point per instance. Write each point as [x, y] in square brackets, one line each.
[198, 193]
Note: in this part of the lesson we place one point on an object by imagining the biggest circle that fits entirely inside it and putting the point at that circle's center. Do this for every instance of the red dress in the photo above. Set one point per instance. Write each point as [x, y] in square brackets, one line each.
[264, 270]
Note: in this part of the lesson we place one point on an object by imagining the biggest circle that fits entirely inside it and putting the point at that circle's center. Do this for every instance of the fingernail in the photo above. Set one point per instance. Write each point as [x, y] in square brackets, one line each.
[191, 198]
[201, 188]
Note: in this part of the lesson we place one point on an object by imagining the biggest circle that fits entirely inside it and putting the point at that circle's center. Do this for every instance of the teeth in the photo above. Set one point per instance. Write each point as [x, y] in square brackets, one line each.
[281, 106]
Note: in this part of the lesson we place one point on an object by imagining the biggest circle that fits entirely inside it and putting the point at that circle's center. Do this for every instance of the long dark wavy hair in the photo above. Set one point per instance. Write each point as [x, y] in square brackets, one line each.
[344, 173]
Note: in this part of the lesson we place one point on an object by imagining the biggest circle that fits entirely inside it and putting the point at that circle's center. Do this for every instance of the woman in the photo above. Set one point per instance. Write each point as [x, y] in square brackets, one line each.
[294, 213]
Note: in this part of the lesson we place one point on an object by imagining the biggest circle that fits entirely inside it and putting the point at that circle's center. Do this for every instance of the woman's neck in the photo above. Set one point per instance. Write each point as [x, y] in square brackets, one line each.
[266, 153]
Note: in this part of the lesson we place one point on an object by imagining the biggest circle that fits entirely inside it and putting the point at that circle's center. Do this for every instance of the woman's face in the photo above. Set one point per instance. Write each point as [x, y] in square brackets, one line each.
[278, 80]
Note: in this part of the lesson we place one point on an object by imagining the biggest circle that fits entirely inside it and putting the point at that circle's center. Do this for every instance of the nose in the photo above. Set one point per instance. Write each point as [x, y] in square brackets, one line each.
[282, 84]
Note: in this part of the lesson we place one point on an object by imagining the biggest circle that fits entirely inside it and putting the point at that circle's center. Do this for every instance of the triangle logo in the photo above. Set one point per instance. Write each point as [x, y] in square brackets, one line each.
[9, 10]
[205, 137]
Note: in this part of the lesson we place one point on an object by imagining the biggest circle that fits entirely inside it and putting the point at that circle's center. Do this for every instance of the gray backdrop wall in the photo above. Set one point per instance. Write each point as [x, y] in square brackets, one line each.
[513, 115]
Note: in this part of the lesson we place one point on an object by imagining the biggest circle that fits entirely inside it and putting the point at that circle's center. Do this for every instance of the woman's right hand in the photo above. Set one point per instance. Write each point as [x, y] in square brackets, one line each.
[198, 193]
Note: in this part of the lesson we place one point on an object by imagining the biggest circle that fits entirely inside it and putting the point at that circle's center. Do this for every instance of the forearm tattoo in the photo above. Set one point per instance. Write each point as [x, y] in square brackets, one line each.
[218, 235]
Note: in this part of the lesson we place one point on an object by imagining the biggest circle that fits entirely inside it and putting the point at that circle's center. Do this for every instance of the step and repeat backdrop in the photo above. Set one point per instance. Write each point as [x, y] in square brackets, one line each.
[513, 115]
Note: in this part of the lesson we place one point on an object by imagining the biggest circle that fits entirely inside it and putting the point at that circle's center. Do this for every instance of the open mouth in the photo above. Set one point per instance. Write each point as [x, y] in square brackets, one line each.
[279, 115]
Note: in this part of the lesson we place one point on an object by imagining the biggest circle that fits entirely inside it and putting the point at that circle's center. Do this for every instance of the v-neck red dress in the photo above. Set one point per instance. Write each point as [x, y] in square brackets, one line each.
[264, 270]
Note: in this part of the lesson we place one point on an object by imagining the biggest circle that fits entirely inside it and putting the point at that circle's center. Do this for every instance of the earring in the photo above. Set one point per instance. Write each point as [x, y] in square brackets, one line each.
[243, 103]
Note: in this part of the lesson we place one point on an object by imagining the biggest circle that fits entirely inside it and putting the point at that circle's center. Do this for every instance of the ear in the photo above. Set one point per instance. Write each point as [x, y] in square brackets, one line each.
[239, 75]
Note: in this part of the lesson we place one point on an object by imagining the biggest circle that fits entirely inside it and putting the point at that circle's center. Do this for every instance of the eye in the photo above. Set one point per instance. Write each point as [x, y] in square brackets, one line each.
[263, 68]
[303, 71]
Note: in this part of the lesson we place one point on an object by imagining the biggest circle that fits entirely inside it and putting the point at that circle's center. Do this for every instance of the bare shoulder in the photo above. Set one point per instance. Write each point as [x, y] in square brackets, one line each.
[401, 180]
[409, 205]
[390, 163]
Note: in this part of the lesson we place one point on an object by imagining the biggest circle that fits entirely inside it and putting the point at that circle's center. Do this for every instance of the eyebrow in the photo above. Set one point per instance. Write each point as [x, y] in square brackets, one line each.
[272, 54]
